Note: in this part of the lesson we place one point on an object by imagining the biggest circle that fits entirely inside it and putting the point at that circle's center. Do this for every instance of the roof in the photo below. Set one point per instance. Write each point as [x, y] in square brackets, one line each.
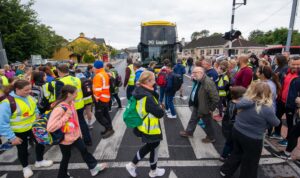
[158, 23]
[98, 40]
[219, 41]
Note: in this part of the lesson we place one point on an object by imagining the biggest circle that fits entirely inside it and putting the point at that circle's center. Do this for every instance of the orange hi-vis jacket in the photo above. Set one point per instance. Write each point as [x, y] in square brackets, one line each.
[101, 86]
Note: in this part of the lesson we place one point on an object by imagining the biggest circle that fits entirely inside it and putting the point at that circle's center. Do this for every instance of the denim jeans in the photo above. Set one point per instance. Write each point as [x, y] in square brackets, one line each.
[161, 94]
[170, 104]
[129, 91]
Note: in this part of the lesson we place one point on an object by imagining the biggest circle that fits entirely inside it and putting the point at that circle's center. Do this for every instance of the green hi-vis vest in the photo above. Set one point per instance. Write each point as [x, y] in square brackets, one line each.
[24, 115]
[74, 81]
[132, 75]
[4, 81]
[221, 84]
[50, 96]
[151, 125]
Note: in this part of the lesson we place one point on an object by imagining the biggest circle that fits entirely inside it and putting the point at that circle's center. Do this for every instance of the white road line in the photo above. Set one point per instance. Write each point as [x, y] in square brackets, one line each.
[163, 151]
[108, 148]
[4, 176]
[53, 154]
[187, 76]
[172, 174]
[265, 152]
[201, 150]
[169, 163]
[10, 155]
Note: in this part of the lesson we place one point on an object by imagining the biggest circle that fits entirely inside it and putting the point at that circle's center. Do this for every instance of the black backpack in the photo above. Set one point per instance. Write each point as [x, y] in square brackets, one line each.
[112, 84]
[177, 81]
[87, 87]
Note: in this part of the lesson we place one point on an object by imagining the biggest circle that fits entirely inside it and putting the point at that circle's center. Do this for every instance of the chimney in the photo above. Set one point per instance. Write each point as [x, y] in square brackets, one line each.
[183, 41]
[81, 35]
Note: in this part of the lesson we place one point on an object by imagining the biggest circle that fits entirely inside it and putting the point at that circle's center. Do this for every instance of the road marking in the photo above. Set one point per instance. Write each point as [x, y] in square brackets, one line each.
[4, 176]
[201, 150]
[183, 98]
[172, 174]
[10, 155]
[54, 154]
[163, 150]
[187, 76]
[108, 148]
[166, 163]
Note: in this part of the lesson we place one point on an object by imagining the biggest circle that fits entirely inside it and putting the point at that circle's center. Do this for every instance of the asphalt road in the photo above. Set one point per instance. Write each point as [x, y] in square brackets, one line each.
[182, 158]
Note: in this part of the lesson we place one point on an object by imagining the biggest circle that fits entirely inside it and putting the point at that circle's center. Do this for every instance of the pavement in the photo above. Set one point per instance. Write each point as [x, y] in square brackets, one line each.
[181, 157]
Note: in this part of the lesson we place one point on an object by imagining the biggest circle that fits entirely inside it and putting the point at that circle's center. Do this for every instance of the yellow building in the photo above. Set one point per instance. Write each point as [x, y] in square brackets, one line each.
[75, 49]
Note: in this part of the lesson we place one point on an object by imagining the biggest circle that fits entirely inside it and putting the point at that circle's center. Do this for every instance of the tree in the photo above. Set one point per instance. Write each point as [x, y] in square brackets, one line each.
[201, 34]
[22, 34]
[255, 34]
[81, 48]
[195, 36]
[216, 34]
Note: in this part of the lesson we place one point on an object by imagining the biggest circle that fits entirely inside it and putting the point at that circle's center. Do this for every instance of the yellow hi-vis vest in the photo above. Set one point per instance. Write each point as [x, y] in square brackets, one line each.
[24, 116]
[221, 84]
[47, 94]
[74, 81]
[151, 125]
[4, 81]
[132, 75]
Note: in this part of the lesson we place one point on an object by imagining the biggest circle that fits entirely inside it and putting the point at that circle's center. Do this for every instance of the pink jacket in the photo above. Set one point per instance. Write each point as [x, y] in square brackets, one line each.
[60, 118]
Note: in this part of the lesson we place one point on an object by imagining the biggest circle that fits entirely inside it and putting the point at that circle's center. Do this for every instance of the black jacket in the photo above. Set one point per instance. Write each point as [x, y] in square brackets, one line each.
[152, 107]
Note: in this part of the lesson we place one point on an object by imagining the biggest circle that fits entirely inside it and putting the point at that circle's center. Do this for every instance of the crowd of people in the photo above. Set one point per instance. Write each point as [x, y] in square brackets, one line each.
[250, 95]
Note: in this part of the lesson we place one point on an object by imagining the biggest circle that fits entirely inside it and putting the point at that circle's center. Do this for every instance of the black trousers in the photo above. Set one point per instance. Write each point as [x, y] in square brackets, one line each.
[116, 96]
[102, 114]
[23, 148]
[151, 148]
[293, 137]
[246, 154]
[66, 155]
[289, 113]
[129, 91]
[83, 126]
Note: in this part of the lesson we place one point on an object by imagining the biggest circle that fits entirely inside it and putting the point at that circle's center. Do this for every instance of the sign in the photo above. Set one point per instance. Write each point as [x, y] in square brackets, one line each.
[157, 42]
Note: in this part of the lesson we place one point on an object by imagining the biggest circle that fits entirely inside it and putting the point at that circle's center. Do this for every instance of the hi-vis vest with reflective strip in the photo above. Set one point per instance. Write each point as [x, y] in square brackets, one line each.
[47, 94]
[221, 84]
[24, 116]
[102, 92]
[151, 125]
[4, 81]
[132, 75]
[74, 81]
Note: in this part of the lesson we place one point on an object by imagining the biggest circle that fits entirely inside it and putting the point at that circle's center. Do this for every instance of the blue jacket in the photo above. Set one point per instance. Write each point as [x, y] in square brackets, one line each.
[293, 93]
[212, 74]
[5, 129]
[179, 69]
[138, 73]
[170, 91]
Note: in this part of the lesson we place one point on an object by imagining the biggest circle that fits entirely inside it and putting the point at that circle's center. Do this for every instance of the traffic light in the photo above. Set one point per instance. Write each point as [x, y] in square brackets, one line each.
[231, 35]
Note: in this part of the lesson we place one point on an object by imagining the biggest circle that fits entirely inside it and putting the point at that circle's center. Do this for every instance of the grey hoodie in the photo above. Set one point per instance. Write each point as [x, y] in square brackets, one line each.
[251, 123]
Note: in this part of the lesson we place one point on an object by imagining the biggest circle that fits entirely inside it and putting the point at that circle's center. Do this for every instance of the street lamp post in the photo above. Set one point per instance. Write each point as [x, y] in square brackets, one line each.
[291, 27]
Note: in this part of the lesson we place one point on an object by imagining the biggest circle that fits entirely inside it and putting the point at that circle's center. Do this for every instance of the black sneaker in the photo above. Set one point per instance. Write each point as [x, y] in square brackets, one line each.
[282, 155]
[108, 133]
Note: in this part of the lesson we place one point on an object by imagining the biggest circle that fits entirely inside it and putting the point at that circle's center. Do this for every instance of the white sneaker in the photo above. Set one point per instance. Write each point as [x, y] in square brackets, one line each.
[43, 163]
[168, 111]
[131, 169]
[27, 172]
[98, 168]
[157, 172]
[171, 116]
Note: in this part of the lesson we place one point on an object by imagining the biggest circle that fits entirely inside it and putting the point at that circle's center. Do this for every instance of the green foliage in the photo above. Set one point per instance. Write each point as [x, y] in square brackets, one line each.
[113, 52]
[201, 34]
[88, 58]
[216, 34]
[278, 36]
[22, 34]
[81, 48]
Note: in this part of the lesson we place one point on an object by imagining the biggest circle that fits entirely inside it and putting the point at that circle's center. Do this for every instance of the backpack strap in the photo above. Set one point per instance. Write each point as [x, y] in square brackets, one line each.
[12, 103]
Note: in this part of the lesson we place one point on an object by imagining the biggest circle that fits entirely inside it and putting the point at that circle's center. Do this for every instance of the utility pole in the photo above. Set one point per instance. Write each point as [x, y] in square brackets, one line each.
[3, 58]
[291, 27]
[234, 4]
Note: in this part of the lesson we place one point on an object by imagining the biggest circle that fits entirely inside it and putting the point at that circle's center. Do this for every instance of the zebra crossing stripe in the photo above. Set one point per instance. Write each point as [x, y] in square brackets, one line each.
[161, 163]
[108, 148]
[163, 151]
[53, 154]
[201, 150]
[11, 155]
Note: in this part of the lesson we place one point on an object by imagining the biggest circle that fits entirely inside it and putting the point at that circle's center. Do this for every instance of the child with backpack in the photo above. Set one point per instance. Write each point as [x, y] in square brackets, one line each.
[16, 124]
[229, 119]
[117, 82]
[68, 122]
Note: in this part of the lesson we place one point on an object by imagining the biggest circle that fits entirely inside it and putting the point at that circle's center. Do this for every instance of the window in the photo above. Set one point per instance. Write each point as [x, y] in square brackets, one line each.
[202, 52]
[216, 51]
[208, 52]
[192, 51]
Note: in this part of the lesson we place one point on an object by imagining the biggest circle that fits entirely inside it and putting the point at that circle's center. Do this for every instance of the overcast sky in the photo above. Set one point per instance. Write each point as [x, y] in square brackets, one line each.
[118, 21]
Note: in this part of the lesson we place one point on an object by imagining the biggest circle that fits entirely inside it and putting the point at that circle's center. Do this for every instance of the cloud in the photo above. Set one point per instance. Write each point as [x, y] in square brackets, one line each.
[118, 22]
